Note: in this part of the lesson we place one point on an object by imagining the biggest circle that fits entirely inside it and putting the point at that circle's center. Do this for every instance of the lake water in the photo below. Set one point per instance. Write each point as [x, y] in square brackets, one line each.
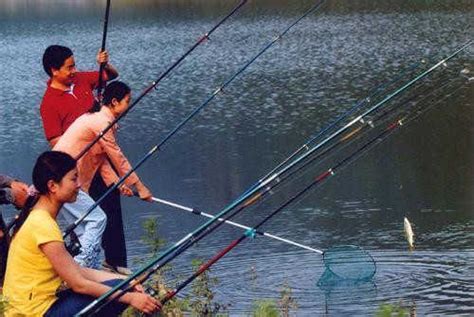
[319, 69]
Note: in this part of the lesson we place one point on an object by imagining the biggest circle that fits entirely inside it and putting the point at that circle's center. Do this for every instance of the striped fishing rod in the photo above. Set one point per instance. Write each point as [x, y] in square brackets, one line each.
[243, 201]
[101, 299]
[154, 84]
[232, 223]
[342, 261]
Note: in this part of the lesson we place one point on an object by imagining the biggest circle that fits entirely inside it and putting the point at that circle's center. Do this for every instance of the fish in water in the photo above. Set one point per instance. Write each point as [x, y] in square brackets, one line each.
[408, 233]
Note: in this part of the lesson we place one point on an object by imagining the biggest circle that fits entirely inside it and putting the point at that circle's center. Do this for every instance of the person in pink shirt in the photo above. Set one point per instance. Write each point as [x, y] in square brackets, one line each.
[106, 151]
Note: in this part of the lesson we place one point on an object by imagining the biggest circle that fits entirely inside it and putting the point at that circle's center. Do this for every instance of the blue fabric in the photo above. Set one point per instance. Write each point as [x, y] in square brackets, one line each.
[89, 231]
[70, 303]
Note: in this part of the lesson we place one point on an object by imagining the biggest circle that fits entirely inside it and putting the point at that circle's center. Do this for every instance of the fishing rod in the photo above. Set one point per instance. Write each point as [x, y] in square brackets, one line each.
[250, 198]
[154, 84]
[102, 48]
[101, 299]
[235, 224]
[338, 255]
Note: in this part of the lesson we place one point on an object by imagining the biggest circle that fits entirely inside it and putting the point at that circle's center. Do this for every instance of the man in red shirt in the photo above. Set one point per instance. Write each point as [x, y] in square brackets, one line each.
[69, 94]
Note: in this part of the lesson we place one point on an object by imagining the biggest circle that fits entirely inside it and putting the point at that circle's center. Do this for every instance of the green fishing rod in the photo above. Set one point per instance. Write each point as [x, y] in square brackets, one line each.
[254, 196]
[154, 84]
[102, 299]
[346, 262]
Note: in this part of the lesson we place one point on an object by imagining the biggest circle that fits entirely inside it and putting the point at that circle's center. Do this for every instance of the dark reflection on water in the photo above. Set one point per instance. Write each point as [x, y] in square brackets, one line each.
[327, 62]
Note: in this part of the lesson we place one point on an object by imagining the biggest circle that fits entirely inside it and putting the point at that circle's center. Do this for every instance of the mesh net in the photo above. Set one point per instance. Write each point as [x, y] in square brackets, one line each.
[347, 263]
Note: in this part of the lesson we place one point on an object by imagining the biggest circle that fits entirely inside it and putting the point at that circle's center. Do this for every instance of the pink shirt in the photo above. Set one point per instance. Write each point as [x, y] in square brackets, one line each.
[80, 134]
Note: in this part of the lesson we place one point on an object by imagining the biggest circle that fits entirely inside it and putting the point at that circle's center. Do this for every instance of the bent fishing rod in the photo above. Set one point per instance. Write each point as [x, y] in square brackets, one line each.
[318, 180]
[314, 8]
[154, 84]
[250, 198]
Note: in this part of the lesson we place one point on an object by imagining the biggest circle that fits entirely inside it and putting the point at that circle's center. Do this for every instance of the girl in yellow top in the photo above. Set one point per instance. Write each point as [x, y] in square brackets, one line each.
[38, 261]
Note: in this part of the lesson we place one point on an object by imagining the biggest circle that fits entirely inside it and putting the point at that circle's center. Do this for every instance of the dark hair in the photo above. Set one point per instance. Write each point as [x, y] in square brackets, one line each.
[54, 57]
[117, 90]
[51, 165]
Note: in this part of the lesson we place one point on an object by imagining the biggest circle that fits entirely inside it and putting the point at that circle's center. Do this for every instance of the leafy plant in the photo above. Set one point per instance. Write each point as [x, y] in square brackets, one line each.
[265, 308]
[390, 310]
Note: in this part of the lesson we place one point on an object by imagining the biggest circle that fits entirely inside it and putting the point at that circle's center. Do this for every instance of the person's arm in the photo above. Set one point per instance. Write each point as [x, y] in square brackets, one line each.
[12, 191]
[110, 73]
[121, 164]
[74, 276]
[110, 177]
[99, 276]
[51, 123]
